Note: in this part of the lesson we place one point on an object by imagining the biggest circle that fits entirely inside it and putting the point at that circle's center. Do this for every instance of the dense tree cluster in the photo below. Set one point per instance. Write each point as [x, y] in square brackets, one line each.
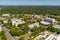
[31, 10]
[15, 32]
[36, 31]
[52, 29]
[2, 35]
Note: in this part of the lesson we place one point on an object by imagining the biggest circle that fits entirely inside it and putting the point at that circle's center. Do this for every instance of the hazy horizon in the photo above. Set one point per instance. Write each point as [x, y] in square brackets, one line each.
[30, 2]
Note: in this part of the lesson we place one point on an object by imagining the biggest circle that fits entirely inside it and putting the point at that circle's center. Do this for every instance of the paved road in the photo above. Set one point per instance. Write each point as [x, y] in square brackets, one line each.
[8, 34]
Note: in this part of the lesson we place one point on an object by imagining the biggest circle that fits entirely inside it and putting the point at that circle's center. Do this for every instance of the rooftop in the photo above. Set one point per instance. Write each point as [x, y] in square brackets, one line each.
[56, 26]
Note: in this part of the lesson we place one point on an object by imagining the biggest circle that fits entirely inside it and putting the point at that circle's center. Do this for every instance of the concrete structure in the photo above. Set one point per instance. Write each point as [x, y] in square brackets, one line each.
[56, 26]
[36, 16]
[8, 35]
[16, 22]
[0, 27]
[58, 37]
[33, 20]
[5, 21]
[51, 37]
[48, 36]
[45, 23]
[33, 25]
[42, 35]
[48, 21]
[5, 15]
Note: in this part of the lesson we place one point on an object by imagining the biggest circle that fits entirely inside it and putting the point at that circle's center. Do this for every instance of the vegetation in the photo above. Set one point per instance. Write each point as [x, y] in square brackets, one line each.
[2, 35]
[52, 29]
[31, 10]
[36, 30]
[42, 38]
[25, 13]
[15, 32]
[21, 38]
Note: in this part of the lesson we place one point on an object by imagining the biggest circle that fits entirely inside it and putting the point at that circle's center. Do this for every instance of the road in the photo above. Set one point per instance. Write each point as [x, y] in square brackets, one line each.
[8, 34]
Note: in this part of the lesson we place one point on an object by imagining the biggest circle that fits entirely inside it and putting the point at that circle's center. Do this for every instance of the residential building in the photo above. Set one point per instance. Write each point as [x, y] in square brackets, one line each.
[16, 22]
[33, 25]
[48, 21]
[5, 21]
[36, 16]
[51, 37]
[42, 35]
[56, 26]
[5, 15]
[58, 37]
[33, 20]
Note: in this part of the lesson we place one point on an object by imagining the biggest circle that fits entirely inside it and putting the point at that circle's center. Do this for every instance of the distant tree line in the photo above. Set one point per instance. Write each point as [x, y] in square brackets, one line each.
[31, 10]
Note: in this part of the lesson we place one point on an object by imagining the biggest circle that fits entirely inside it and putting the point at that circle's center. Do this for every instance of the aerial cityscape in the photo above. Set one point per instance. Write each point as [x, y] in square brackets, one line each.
[29, 19]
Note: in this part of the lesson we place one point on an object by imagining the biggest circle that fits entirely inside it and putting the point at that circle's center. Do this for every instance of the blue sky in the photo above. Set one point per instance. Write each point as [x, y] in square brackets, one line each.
[29, 2]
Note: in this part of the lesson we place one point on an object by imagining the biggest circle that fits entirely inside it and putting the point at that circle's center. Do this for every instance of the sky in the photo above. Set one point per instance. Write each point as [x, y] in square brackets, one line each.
[29, 2]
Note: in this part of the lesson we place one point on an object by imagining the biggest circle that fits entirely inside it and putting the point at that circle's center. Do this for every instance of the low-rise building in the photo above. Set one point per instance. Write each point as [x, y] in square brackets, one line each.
[58, 37]
[56, 26]
[5, 15]
[43, 35]
[48, 21]
[33, 20]
[16, 22]
[51, 37]
[36, 16]
[33, 25]
[5, 21]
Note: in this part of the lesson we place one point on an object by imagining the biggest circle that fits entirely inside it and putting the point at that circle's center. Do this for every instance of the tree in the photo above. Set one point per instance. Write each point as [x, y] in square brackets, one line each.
[21, 38]
[15, 32]
[52, 29]
[2, 35]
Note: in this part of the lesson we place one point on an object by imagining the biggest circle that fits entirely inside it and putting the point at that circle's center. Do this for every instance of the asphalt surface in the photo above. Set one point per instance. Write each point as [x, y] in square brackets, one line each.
[8, 34]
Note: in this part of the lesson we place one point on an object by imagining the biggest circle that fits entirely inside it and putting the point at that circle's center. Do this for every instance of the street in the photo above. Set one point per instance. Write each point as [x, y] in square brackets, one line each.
[8, 34]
